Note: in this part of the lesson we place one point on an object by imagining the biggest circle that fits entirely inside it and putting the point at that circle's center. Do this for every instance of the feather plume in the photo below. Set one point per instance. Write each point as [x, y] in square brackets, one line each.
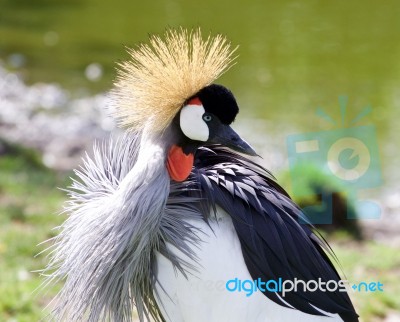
[122, 210]
[152, 87]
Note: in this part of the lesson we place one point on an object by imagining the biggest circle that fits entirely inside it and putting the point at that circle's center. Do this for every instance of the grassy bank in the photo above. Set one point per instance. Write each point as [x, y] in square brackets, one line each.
[29, 201]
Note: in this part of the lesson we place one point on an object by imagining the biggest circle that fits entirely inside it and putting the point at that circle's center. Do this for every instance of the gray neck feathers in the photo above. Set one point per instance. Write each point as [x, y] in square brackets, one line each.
[105, 247]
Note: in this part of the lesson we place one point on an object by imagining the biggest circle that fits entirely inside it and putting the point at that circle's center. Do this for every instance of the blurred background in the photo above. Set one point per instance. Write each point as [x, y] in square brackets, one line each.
[303, 67]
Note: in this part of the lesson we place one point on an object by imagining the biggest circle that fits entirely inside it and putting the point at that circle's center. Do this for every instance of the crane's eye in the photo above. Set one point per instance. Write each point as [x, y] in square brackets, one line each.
[207, 117]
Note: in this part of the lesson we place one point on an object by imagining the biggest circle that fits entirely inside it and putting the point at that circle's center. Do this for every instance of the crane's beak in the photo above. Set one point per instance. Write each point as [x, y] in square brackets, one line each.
[226, 136]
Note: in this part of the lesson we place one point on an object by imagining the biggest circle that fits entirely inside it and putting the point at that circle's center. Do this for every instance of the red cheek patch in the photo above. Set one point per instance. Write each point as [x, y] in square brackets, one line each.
[179, 164]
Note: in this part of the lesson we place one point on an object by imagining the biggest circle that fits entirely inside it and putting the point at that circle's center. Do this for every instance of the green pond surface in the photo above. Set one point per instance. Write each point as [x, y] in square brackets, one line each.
[295, 57]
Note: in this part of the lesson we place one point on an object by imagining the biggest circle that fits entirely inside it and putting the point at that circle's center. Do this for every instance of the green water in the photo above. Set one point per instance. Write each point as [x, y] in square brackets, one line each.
[294, 56]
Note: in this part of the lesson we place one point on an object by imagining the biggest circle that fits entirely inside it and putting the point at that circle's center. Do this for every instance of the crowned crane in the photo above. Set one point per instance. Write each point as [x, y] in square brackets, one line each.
[163, 218]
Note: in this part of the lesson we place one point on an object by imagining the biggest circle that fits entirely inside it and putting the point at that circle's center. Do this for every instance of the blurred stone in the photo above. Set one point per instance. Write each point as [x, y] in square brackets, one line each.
[392, 317]
[23, 275]
[94, 72]
[386, 228]
[16, 60]
[393, 200]
[44, 117]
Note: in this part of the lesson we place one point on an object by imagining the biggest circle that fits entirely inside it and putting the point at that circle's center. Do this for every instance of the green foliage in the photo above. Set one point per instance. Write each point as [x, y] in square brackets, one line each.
[308, 177]
[320, 193]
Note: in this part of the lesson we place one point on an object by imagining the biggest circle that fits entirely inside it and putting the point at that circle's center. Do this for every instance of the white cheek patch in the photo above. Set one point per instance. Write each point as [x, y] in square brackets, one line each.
[192, 123]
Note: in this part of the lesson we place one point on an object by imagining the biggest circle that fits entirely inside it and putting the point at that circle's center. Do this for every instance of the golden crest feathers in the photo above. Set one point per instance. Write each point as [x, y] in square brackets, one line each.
[162, 75]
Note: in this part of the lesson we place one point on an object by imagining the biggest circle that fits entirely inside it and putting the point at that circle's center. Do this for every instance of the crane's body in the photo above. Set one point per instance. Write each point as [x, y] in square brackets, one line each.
[203, 291]
[162, 218]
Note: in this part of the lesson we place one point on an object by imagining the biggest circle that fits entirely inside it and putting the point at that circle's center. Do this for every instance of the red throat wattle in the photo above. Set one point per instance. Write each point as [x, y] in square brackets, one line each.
[179, 164]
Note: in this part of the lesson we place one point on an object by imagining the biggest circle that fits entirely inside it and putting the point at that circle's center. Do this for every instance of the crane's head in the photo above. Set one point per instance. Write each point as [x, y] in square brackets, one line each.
[168, 85]
[204, 119]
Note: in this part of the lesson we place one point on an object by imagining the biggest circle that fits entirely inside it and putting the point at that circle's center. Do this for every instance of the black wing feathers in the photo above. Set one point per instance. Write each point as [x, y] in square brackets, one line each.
[274, 243]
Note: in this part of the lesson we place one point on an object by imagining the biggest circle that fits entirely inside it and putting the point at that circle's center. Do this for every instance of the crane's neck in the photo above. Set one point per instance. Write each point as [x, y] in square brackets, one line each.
[149, 174]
